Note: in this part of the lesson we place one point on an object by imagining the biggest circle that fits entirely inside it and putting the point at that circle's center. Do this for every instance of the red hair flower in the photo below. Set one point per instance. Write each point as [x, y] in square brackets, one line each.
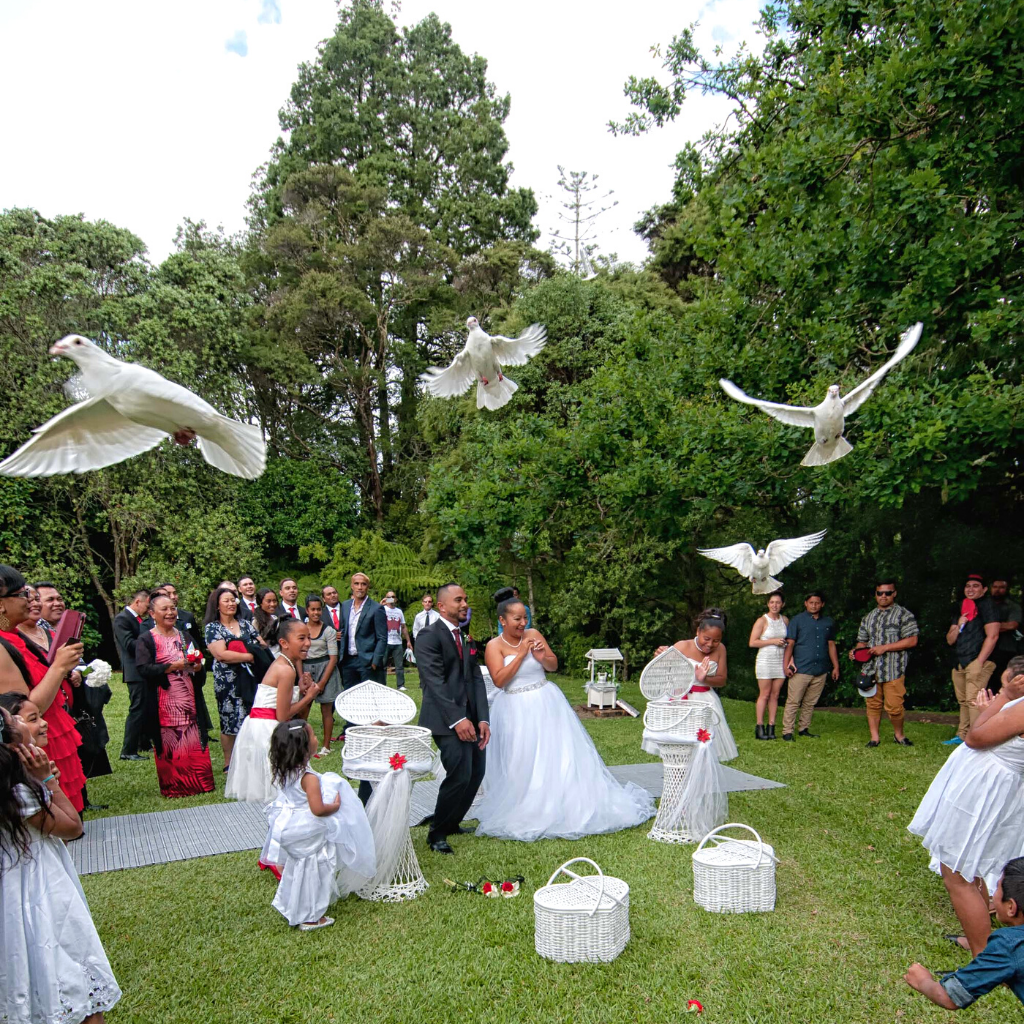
[693, 1006]
[490, 889]
[703, 735]
[397, 761]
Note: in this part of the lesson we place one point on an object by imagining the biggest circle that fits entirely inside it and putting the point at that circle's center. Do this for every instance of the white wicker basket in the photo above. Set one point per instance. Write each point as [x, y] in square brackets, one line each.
[368, 749]
[369, 703]
[678, 718]
[586, 920]
[734, 876]
[669, 672]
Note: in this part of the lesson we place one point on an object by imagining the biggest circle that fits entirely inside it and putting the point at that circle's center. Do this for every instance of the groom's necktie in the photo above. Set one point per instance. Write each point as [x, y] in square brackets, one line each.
[458, 642]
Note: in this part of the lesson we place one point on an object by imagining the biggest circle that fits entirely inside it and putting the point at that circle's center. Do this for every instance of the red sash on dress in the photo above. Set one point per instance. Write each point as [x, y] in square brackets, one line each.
[267, 713]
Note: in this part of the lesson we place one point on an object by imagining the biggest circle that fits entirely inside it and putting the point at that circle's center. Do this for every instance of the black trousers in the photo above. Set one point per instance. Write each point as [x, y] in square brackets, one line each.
[133, 735]
[464, 765]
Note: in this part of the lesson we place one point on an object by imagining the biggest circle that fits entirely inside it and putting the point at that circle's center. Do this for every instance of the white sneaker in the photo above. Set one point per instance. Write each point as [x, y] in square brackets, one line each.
[401, 688]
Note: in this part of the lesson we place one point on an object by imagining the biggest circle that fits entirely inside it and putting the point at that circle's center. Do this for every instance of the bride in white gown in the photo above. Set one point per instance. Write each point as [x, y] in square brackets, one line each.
[545, 778]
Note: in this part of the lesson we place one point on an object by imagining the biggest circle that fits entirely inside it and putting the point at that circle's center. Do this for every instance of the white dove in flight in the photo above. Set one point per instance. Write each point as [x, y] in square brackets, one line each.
[482, 360]
[130, 409]
[828, 419]
[760, 566]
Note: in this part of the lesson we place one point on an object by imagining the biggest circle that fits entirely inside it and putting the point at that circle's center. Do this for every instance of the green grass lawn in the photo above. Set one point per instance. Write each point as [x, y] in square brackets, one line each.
[197, 941]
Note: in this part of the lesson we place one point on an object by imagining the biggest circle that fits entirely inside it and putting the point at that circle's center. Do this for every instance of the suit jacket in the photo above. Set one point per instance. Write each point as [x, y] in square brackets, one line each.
[243, 609]
[371, 634]
[126, 633]
[453, 688]
[282, 613]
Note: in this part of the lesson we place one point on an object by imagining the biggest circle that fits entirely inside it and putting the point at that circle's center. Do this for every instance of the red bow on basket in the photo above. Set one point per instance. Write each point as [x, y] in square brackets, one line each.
[703, 735]
[397, 761]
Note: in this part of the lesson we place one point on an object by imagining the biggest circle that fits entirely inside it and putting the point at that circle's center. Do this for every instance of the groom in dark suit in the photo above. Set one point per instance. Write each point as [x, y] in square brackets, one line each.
[454, 698]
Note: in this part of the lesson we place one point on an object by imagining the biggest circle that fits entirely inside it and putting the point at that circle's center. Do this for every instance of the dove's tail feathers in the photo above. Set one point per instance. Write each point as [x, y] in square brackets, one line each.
[495, 394]
[766, 586]
[819, 455]
[242, 451]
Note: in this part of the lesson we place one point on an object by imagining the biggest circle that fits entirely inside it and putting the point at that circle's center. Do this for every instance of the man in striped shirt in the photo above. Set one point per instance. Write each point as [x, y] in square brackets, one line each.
[889, 630]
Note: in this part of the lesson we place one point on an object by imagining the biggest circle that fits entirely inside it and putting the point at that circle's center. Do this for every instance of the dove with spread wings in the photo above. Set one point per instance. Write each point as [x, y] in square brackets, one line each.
[828, 420]
[760, 566]
[481, 360]
[127, 409]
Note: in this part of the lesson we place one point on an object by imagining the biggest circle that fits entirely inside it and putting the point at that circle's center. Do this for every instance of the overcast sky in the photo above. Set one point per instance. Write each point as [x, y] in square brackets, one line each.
[144, 113]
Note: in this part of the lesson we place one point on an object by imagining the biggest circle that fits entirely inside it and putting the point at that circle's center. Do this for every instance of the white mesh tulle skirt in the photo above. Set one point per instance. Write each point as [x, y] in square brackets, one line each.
[545, 778]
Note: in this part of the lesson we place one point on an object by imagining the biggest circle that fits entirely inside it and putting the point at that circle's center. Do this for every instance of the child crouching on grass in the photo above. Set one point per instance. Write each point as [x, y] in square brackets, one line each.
[1000, 962]
[326, 846]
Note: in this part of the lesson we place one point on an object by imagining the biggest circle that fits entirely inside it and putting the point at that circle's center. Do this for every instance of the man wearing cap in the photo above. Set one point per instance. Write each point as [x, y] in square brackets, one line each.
[886, 634]
[974, 634]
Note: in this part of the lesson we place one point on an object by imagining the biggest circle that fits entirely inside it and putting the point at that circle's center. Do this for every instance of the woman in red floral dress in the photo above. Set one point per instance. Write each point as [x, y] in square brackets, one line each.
[183, 765]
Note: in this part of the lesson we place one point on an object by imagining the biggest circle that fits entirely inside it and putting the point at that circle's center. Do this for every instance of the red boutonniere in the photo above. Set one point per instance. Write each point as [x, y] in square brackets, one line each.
[703, 735]
[693, 1006]
[397, 761]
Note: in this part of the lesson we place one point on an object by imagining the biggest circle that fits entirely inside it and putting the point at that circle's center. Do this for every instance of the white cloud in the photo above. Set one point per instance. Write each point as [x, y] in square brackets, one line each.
[136, 112]
[238, 43]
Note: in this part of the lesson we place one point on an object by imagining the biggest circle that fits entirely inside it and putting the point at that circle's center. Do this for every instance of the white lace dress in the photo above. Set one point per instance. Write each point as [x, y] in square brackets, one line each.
[323, 858]
[545, 778]
[52, 964]
[972, 817]
[249, 775]
[768, 663]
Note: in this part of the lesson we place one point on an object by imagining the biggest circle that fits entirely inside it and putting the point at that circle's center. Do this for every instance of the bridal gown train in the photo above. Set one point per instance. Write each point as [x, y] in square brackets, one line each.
[545, 778]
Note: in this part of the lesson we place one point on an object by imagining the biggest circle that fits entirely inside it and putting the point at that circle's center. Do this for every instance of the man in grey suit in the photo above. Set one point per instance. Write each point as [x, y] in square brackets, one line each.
[364, 635]
[454, 709]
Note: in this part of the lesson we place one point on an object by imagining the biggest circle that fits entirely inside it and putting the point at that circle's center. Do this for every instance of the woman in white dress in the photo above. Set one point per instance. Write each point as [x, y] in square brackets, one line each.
[707, 654]
[52, 963]
[971, 820]
[768, 636]
[323, 838]
[277, 700]
[545, 778]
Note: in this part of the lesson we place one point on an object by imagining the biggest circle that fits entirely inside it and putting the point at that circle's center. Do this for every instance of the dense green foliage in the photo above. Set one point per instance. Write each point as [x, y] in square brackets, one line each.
[869, 178]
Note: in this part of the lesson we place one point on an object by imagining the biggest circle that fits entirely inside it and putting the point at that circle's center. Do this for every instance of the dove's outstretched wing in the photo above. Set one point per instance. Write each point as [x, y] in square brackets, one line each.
[86, 436]
[739, 556]
[860, 394]
[794, 415]
[517, 351]
[781, 553]
[452, 380]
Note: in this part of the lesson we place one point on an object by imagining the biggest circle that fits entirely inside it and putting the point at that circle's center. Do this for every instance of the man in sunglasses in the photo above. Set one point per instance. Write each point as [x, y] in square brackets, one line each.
[887, 632]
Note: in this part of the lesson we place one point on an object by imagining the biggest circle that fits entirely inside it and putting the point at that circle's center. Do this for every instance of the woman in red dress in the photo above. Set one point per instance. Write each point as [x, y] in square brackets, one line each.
[181, 746]
[23, 669]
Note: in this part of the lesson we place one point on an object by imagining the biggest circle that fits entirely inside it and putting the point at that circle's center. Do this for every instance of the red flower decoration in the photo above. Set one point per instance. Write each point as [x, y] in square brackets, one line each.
[693, 1006]
[703, 735]
[397, 761]
[507, 887]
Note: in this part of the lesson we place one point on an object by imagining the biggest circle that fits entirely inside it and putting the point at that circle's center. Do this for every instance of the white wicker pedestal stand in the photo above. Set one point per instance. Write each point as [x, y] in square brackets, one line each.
[366, 756]
[675, 759]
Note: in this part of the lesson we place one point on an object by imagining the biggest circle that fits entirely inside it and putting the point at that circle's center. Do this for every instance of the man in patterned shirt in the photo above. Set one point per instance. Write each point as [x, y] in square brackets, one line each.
[889, 631]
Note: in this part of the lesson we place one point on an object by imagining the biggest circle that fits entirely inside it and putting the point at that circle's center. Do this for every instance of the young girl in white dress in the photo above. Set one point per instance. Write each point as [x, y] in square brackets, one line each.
[768, 637]
[52, 963]
[706, 653]
[277, 700]
[325, 841]
[545, 778]
[971, 820]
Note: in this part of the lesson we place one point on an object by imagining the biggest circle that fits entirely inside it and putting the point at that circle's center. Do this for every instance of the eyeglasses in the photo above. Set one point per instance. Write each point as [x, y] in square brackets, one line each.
[25, 592]
[884, 593]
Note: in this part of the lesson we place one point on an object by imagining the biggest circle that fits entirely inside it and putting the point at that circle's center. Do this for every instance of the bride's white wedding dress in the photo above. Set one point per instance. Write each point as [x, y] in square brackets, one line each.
[545, 778]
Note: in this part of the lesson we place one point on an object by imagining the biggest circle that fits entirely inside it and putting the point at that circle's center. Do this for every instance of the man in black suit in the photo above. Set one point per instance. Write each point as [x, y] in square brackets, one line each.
[364, 635]
[289, 606]
[332, 609]
[127, 629]
[454, 699]
[246, 597]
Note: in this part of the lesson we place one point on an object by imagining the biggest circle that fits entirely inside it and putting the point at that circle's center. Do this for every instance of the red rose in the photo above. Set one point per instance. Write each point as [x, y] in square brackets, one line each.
[694, 1007]
[507, 887]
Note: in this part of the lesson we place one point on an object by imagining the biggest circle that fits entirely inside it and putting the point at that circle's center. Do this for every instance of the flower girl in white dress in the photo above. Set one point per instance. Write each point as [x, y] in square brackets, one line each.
[324, 840]
[971, 820]
[544, 778]
[52, 963]
[277, 700]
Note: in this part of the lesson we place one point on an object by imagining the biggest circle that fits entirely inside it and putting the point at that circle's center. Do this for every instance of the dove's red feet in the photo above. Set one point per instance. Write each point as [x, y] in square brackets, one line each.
[484, 381]
[184, 437]
[500, 376]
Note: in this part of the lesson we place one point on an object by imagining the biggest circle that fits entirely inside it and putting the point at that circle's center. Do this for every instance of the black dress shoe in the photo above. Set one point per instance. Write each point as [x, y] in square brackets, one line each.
[806, 732]
[789, 737]
[441, 846]
[133, 757]
[904, 742]
[871, 743]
